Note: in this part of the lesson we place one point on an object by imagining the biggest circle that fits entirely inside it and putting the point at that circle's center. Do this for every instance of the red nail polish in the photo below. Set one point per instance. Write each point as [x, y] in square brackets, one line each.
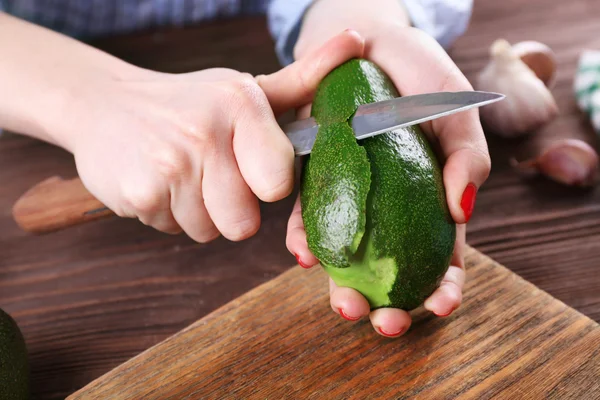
[345, 316]
[301, 263]
[445, 315]
[384, 333]
[467, 203]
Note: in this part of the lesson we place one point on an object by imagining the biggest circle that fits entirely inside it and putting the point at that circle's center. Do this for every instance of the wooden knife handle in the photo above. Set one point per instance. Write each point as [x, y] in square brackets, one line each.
[55, 204]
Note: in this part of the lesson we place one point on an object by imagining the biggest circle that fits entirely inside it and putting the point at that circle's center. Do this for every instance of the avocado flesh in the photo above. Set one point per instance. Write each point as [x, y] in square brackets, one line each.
[373, 277]
[14, 365]
[401, 255]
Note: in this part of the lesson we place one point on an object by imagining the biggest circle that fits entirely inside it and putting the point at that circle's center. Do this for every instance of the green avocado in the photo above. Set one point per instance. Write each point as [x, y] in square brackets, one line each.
[374, 210]
[14, 365]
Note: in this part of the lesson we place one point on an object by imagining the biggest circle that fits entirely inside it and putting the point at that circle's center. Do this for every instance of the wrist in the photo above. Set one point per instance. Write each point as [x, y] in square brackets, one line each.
[75, 103]
[326, 18]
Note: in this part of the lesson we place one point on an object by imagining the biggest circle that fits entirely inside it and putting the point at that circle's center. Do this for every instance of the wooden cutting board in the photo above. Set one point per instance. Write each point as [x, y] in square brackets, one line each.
[509, 340]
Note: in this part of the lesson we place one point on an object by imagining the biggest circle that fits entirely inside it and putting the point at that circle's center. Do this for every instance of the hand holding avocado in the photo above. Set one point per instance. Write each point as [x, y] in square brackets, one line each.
[415, 63]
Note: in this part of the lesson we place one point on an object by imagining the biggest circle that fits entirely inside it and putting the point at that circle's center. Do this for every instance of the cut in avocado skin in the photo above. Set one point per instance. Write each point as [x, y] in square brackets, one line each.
[337, 188]
[14, 365]
[408, 237]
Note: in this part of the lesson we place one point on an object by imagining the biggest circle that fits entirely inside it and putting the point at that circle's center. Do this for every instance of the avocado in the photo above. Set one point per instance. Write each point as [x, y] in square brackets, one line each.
[375, 210]
[14, 365]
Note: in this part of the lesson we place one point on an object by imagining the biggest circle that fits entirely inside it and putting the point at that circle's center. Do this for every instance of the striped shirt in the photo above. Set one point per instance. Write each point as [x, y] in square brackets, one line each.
[87, 19]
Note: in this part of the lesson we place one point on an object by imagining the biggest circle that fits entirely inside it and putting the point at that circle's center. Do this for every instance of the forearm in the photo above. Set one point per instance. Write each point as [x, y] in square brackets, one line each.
[41, 74]
[326, 18]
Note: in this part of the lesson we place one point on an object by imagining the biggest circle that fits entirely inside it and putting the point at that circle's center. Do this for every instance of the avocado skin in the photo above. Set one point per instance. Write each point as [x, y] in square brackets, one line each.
[14, 365]
[407, 216]
[335, 194]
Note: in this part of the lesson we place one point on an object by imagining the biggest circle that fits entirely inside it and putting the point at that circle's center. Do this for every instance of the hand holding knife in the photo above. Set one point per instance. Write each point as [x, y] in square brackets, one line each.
[55, 203]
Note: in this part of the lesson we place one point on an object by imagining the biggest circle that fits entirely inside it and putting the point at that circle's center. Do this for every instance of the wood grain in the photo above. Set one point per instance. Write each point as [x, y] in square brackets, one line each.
[91, 297]
[509, 340]
[55, 204]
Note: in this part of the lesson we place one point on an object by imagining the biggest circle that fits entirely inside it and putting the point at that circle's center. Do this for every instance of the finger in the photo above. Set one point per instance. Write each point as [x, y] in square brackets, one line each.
[458, 255]
[264, 154]
[304, 111]
[448, 296]
[430, 69]
[447, 299]
[190, 212]
[294, 85]
[347, 302]
[390, 322]
[162, 221]
[464, 173]
[148, 202]
[229, 202]
[296, 238]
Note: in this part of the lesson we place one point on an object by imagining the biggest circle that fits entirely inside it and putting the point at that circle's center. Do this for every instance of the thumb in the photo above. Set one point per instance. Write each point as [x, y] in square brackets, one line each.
[467, 161]
[465, 171]
[295, 85]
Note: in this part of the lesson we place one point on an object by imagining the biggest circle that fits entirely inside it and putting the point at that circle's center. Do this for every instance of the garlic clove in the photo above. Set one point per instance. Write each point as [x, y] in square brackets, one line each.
[528, 104]
[539, 58]
[571, 162]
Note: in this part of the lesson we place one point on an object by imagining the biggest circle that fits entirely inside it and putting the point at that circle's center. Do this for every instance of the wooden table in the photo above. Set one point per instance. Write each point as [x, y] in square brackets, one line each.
[90, 298]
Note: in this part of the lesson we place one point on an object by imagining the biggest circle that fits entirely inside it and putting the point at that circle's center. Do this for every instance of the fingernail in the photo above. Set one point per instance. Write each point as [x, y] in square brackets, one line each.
[467, 203]
[345, 316]
[445, 315]
[384, 333]
[301, 263]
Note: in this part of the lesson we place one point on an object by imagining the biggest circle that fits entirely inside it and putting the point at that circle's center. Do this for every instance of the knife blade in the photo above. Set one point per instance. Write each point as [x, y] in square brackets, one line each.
[384, 116]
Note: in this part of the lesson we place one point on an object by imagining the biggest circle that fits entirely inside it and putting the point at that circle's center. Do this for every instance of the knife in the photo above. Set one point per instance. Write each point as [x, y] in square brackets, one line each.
[384, 116]
[56, 203]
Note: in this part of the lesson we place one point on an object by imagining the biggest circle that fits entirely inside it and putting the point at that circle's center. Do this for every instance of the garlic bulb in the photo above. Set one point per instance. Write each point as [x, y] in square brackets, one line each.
[528, 104]
[539, 58]
[571, 162]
